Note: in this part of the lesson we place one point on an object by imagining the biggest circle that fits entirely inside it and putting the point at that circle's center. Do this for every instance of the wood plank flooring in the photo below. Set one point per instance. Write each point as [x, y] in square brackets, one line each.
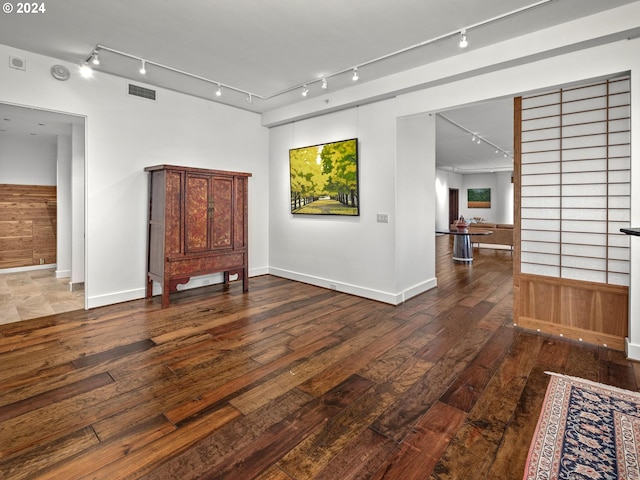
[287, 382]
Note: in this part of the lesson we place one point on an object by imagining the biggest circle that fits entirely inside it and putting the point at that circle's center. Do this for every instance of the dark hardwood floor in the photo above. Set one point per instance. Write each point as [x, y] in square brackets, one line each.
[288, 381]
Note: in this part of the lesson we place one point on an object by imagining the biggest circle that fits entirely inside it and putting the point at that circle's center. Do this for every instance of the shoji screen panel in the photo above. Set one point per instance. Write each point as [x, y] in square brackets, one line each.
[574, 197]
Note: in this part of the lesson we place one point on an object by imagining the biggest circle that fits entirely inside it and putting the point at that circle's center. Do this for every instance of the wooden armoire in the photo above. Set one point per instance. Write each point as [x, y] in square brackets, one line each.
[197, 226]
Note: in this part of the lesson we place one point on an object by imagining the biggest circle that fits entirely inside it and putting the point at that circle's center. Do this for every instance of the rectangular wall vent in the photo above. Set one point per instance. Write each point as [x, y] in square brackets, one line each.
[142, 92]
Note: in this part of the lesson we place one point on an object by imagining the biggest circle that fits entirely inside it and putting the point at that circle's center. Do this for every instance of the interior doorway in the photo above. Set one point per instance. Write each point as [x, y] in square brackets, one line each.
[44, 148]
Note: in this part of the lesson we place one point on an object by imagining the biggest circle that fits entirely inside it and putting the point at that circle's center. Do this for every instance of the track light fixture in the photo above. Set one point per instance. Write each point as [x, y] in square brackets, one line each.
[305, 90]
[143, 67]
[461, 34]
[219, 91]
[85, 70]
[476, 138]
[463, 39]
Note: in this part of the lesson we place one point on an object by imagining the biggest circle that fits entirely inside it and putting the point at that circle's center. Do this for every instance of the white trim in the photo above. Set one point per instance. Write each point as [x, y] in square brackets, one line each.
[63, 273]
[632, 350]
[385, 297]
[46, 266]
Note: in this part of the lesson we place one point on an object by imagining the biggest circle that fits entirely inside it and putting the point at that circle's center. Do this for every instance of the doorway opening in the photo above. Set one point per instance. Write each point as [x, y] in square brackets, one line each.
[42, 245]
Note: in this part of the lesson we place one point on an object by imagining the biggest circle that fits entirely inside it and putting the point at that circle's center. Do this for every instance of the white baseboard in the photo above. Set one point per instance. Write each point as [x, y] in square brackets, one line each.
[633, 350]
[372, 294]
[63, 273]
[46, 266]
[115, 297]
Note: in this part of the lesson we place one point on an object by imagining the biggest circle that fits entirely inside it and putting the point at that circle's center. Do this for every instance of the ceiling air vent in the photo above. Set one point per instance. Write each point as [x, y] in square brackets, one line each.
[138, 91]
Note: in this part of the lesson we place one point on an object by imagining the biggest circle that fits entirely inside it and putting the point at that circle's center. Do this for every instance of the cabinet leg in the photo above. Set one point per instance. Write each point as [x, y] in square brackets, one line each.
[149, 287]
[166, 289]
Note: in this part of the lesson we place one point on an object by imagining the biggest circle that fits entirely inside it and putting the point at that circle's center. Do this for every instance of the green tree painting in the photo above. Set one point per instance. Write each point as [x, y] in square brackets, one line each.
[324, 179]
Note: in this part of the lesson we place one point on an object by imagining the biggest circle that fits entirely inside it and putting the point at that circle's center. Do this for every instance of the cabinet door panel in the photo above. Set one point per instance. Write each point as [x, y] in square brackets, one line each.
[197, 213]
[240, 213]
[222, 224]
[173, 214]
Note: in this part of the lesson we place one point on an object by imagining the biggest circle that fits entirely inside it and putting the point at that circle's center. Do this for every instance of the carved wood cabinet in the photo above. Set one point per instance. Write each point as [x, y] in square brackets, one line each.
[197, 226]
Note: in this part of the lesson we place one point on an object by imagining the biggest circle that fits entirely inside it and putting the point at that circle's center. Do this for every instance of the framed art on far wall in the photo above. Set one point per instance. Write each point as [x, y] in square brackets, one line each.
[479, 198]
[324, 179]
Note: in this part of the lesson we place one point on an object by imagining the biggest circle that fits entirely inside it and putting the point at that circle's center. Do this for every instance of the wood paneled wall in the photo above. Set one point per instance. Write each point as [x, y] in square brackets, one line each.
[28, 215]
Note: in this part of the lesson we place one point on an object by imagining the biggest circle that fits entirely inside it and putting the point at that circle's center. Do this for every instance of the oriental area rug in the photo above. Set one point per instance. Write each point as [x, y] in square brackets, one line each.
[586, 431]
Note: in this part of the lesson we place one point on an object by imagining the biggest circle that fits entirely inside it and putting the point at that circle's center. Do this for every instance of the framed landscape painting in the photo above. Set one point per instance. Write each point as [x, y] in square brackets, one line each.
[324, 179]
[479, 198]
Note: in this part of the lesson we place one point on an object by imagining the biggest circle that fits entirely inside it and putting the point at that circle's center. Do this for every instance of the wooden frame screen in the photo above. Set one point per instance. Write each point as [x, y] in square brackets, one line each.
[573, 166]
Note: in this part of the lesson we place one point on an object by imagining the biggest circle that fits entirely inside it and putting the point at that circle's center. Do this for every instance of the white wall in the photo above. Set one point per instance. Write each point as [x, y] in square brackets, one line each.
[352, 254]
[444, 181]
[27, 160]
[77, 205]
[501, 210]
[125, 134]
[415, 196]
[502, 200]
[63, 215]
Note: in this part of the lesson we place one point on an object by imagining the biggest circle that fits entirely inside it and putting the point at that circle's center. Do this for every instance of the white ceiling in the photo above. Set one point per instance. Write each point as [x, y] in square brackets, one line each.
[271, 46]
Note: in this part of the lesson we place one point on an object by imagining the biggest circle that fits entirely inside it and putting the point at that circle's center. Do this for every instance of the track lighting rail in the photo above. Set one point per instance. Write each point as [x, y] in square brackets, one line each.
[462, 34]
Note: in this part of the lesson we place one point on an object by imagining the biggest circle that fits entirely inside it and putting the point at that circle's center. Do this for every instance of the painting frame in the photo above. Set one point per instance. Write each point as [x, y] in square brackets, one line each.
[478, 198]
[324, 179]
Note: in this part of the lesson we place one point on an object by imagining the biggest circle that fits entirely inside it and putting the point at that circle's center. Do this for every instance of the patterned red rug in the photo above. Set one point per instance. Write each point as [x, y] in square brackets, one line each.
[586, 431]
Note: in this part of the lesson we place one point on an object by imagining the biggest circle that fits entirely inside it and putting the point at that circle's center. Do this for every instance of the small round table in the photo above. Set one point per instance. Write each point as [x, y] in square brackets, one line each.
[462, 249]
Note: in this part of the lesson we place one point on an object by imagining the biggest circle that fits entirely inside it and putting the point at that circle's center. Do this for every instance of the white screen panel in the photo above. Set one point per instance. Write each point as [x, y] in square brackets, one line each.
[540, 236]
[585, 213]
[539, 157]
[539, 112]
[541, 202]
[584, 153]
[537, 124]
[581, 238]
[584, 117]
[549, 179]
[618, 253]
[589, 104]
[544, 134]
[538, 168]
[548, 98]
[533, 224]
[587, 227]
[618, 279]
[584, 250]
[580, 202]
[541, 247]
[584, 178]
[541, 258]
[586, 171]
[584, 129]
[594, 190]
[541, 191]
[545, 270]
[584, 275]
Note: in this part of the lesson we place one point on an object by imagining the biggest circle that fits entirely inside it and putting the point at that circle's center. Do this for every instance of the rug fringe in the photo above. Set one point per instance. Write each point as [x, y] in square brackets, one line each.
[594, 384]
